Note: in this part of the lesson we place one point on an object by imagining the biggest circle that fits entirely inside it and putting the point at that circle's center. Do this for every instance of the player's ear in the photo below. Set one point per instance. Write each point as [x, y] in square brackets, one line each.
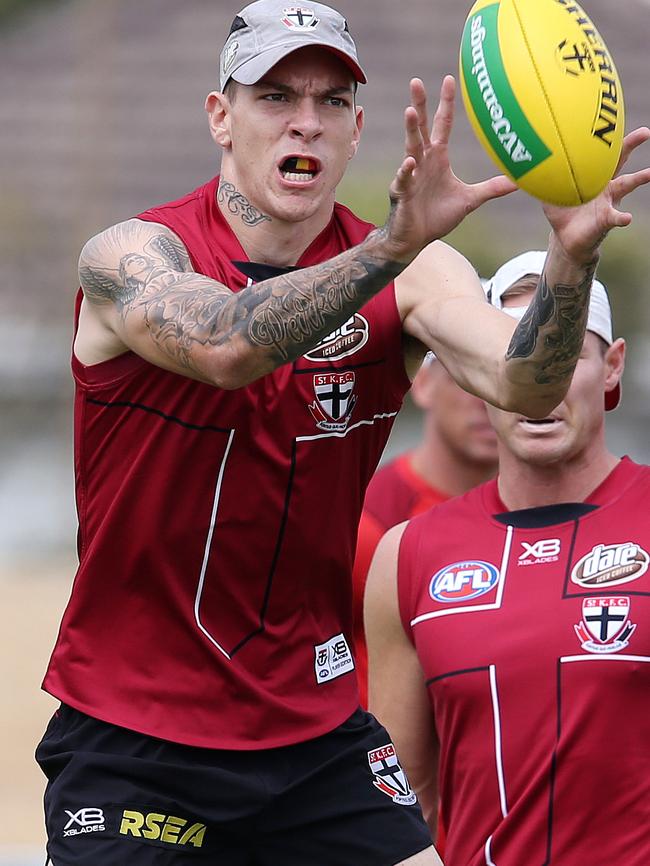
[614, 363]
[422, 390]
[217, 106]
[354, 144]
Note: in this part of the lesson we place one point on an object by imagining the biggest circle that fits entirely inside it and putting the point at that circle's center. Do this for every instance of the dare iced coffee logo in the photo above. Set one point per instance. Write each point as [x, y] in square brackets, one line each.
[610, 564]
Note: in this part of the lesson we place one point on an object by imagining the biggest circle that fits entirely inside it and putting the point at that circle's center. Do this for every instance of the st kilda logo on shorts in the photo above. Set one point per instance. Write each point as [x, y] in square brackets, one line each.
[605, 626]
[335, 400]
[390, 778]
[610, 564]
[346, 340]
[462, 581]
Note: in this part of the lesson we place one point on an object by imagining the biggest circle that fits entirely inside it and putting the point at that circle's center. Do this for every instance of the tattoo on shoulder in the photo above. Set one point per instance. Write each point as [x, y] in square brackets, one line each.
[553, 329]
[239, 205]
[172, 251]
[123, 284]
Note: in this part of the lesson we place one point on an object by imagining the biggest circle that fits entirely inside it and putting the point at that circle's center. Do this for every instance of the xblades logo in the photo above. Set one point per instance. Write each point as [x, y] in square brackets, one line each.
[545, 550]
[88, 820]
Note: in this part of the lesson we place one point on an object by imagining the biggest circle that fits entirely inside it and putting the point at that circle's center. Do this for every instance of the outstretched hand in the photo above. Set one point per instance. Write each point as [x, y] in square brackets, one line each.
[580, 230]
[428, 200]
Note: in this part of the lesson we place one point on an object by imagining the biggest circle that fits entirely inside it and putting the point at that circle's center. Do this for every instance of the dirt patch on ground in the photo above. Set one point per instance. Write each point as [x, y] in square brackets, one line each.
[33, 599]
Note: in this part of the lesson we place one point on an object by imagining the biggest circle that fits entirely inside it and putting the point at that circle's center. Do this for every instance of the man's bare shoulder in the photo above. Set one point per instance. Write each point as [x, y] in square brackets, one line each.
[111, 260]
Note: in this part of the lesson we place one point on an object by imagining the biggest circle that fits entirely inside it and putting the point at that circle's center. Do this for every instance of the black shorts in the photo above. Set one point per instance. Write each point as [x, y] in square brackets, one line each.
[118, 798]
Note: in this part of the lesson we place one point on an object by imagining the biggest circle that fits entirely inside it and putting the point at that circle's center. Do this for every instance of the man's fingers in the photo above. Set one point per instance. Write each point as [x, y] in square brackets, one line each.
[403, 175]
[495, 187]
[631, 141]
[620, 218]
[443, 119]
[419, 103]
[624, 184]
[414, 144]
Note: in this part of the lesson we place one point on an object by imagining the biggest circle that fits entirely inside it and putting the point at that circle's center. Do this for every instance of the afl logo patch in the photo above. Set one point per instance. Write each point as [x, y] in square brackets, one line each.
[344, 341]
[610, 564]
[462, 581]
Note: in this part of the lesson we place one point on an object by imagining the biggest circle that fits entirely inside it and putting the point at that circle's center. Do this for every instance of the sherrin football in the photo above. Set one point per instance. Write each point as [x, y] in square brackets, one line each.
[542, 93]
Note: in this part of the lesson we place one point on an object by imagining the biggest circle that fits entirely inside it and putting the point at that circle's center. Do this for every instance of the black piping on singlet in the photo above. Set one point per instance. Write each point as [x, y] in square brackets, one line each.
[212, 429]
[545, 515]
[567, 572]
[126, 404]
[456, 674]
[553, 771]
[276, 556]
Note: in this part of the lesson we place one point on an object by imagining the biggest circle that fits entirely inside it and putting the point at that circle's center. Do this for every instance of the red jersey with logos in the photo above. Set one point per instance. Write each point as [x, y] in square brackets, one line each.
[533, 631]
[396, 493]
[213, 601]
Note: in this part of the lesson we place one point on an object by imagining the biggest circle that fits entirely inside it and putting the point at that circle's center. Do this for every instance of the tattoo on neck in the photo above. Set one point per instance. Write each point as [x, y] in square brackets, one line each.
[553, 329]
[239, 205]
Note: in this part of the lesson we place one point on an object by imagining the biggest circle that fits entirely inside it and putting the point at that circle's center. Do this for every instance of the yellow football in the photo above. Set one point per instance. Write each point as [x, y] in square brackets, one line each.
[543, 95]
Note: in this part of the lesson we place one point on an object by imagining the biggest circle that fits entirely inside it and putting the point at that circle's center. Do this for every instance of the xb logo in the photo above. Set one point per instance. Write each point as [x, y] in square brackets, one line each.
[84, 817]
[545, 550]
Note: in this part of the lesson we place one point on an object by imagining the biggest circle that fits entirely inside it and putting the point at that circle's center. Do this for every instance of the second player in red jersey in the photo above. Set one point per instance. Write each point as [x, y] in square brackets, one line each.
[509, 634]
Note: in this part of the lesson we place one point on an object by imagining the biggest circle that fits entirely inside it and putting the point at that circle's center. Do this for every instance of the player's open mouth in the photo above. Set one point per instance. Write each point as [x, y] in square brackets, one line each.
[299, 169]
[540, 423]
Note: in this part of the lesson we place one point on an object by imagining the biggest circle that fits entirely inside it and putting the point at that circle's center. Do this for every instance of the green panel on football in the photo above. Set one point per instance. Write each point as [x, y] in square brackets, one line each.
[495, 106]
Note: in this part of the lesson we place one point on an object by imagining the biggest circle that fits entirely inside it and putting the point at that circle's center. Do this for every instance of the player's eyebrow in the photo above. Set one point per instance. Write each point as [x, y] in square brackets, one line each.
[280, 87]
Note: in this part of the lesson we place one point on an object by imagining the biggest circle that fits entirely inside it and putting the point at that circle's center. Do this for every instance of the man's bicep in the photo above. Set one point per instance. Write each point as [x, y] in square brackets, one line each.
[138, 282]
[112, 262]
[444, 307]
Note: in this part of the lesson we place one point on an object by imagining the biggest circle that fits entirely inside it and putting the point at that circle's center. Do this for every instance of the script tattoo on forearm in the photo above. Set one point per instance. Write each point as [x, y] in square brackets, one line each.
[302, 310]
[239, 205]
[552, 330]
[282, 317]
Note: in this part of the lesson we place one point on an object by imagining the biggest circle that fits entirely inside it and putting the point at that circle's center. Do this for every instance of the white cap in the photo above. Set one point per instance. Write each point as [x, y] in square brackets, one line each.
[599, 319]
[266, 31]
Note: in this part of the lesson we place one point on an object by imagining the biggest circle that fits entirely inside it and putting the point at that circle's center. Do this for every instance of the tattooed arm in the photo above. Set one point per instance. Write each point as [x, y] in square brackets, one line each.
[525, 368]
[142, 295]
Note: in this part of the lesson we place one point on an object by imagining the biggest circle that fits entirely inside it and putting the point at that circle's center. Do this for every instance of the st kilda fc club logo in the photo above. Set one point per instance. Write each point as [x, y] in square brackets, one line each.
[605, 626]
[335, 400]
[390, 778]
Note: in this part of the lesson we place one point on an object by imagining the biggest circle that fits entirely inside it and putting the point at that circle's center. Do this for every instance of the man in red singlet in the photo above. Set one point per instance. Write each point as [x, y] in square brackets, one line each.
[238, 361]
[457, 451]
[509, 632]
